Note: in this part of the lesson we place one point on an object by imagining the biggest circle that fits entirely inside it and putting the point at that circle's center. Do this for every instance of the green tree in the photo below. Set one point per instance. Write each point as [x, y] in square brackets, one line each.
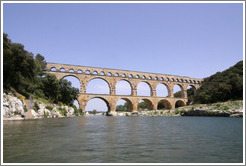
[122, 108]
[67, 93]
[142, 105]
[222, 86]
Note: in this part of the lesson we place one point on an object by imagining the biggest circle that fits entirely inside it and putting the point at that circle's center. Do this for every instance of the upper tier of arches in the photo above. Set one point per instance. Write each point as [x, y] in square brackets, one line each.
[120, 73]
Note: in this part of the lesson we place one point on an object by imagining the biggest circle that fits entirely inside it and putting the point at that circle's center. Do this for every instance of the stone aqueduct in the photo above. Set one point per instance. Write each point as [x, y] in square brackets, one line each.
[85, 73]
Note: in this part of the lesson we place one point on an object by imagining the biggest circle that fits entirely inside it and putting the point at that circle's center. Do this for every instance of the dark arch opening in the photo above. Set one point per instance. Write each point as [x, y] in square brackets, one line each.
[124, 105]
[98, 86]
[145, 104]
[97, 104]
[179, 103]
[123, 87]
[164, 104]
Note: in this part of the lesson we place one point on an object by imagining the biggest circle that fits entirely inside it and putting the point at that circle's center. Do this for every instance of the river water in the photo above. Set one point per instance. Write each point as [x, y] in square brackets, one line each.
[101, 139]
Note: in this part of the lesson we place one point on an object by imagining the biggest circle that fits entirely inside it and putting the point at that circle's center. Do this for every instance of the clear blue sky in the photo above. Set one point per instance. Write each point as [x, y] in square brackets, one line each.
[194, 40]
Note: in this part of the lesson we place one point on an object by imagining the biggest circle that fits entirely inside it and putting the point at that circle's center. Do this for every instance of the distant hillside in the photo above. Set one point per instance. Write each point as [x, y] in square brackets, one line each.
[222, 86]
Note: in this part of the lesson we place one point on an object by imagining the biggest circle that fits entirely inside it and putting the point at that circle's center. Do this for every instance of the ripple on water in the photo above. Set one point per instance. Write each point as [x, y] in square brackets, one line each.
[124, 140]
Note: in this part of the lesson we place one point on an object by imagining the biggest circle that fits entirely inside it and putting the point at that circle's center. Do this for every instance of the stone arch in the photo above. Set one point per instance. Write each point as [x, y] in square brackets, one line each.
[87, 72]
[102, 73]
[123, 75]
[79, 71]
[150, 105]
[131, 87]
[102, 98]
[191, 86]
[109, 74]
[165, 103]
[179, 103]
[137, 76]
[182, 89]
[53, 69]
[62, 69]
[167, 88]
[71, 70]
[116, 74]
[150, 87]
[149, 78]
[129, 102]
[74, 76]
[190, 91]
[130, 76]
[100, 79]
[95, 72]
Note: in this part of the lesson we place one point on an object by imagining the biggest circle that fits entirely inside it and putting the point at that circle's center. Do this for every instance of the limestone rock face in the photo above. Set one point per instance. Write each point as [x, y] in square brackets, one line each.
[12, 107]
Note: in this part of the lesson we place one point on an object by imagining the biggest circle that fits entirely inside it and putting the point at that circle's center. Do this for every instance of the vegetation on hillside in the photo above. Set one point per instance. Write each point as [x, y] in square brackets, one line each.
[23, 72]
[222, 86]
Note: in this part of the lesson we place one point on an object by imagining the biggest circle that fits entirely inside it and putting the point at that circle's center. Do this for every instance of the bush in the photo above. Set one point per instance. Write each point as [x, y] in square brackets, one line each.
[217, 106]
[46, 114]
[36, 107]
[62, 111]
[50, 108]
[226, 108]
[60, 103]
[25, 109]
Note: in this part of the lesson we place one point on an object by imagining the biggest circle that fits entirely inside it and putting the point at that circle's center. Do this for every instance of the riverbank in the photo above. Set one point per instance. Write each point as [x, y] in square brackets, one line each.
[16, 107]
[220, 109]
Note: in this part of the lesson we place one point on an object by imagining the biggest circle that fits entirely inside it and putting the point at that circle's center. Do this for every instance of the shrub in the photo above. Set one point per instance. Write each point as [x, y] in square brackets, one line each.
[36, 107]
[22, 98]
[46, 114]
[226, 108]
[25, 109]
[50, 108]
[217, 105]
[62, 111]
[80, 111]
[60, 103]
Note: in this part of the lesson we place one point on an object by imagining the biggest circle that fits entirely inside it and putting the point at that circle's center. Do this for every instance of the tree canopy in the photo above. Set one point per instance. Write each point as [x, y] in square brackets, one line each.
[23, 72]
[222, 86]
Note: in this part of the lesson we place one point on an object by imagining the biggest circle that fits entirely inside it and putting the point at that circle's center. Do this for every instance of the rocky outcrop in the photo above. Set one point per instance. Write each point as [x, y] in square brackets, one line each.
[13, 108]
[17, 108]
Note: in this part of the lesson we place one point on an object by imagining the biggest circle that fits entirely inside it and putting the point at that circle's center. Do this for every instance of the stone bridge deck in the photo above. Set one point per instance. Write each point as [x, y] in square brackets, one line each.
[111, 76]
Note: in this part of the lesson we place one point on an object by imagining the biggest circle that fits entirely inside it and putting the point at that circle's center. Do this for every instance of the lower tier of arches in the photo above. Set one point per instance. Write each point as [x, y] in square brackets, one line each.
[153, 103]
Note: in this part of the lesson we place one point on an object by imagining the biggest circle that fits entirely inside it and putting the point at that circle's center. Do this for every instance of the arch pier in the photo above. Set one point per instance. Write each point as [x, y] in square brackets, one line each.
[112, 76]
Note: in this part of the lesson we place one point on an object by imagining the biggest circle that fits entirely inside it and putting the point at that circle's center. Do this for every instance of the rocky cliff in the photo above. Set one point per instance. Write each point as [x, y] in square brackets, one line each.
[18, 108]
